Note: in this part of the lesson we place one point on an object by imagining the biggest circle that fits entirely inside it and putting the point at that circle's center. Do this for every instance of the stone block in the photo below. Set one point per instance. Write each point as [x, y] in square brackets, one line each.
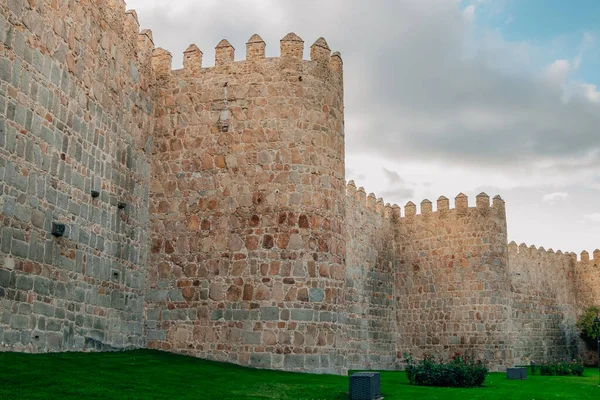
[261, 360]
[312, 361]
[43, 308]
[11, 338]
[302, 315]
[269, 313]
[19, 322]
[43, 286]
[157, 335]
[316, 295]
[24, 282]
[293, 361]
[5, 69]
[7, 278]
[251, 337]
[19, 249]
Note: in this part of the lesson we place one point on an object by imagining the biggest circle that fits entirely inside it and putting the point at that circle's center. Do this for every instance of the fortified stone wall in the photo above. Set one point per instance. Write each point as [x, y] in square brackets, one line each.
[222, 227]
[452, 287]
[371, 262]
[587, 285]
[247, 207]
[587, 282]
[544, 308]
[75, 114]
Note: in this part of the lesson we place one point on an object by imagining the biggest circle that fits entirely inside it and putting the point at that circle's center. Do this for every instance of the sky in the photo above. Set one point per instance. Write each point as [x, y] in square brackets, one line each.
[444, 96]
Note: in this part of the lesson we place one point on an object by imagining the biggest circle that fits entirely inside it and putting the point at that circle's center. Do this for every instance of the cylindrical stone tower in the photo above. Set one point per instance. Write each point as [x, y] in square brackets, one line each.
[247, 203]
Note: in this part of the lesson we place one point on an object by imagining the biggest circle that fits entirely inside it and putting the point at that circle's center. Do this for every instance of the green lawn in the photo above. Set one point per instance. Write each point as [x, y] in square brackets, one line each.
[147, 374]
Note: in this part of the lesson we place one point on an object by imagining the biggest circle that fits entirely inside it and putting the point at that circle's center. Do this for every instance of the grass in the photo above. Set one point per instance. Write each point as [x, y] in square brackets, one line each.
[147, 374]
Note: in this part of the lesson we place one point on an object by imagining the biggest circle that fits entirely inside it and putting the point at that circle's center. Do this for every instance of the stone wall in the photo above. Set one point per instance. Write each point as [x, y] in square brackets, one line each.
[452, 287]
[587, 282]
[587, 285]
[544, 309]
[222, 226]
[371, 262]
[247, 207]
[75, 116]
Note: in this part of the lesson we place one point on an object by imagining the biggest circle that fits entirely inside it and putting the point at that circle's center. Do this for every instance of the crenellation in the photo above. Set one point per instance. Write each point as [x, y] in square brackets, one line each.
[320, 51]
[482, 201]
[498, 203]
[533, 251]
[255, 48]
[162, 62]
[146, 38]
[224, 53]
[351, 189]
[573, 256]
[585, 256]
[192, 60]
[443, 204]
[361, 196]
[396, 210]
[461, 202]
[388, 211]
[335, 62]
[596, 255]
[371, 201]
[410, 209]
[379, 206]
[426, 207]
[292, 46]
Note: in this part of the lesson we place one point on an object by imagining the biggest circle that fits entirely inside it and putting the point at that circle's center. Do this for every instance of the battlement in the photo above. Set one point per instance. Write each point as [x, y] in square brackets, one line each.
[291, 50]
[533, 251]
[372, 203]
[461, 204]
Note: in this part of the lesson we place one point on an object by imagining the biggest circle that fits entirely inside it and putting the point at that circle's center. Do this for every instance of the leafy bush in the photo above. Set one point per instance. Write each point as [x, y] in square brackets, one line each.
[585, 324]
[561, 368]
[460, 371]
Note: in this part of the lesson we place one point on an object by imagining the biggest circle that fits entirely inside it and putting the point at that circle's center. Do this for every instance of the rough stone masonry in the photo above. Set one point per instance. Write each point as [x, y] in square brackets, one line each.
[207, 213]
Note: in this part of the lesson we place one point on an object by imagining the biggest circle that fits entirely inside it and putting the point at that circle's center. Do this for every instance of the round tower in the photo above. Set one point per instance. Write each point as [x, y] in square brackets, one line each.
[247, 204]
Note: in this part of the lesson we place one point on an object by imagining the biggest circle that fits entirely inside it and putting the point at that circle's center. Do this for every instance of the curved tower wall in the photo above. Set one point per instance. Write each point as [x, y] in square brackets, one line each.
[452, 284]
[247, 202]
[75, 116]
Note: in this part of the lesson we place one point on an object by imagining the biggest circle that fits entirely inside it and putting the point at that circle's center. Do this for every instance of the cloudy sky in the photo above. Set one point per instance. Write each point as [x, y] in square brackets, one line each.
[445, 96]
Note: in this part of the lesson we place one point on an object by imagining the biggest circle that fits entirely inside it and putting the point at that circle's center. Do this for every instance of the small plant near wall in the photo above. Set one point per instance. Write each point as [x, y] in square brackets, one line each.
[587, 330]
[561, 368]
[460, 371]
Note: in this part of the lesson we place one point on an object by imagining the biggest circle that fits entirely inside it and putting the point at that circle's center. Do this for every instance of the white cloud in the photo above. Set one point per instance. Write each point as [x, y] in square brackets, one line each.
[595, 217]
[558, 71]
[553, 197]
[469, 13]
[590, 92]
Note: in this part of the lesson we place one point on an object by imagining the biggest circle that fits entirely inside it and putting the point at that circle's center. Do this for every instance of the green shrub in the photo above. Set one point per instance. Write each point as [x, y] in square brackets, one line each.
[585, 324]
[561, 368]
[460, 371]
